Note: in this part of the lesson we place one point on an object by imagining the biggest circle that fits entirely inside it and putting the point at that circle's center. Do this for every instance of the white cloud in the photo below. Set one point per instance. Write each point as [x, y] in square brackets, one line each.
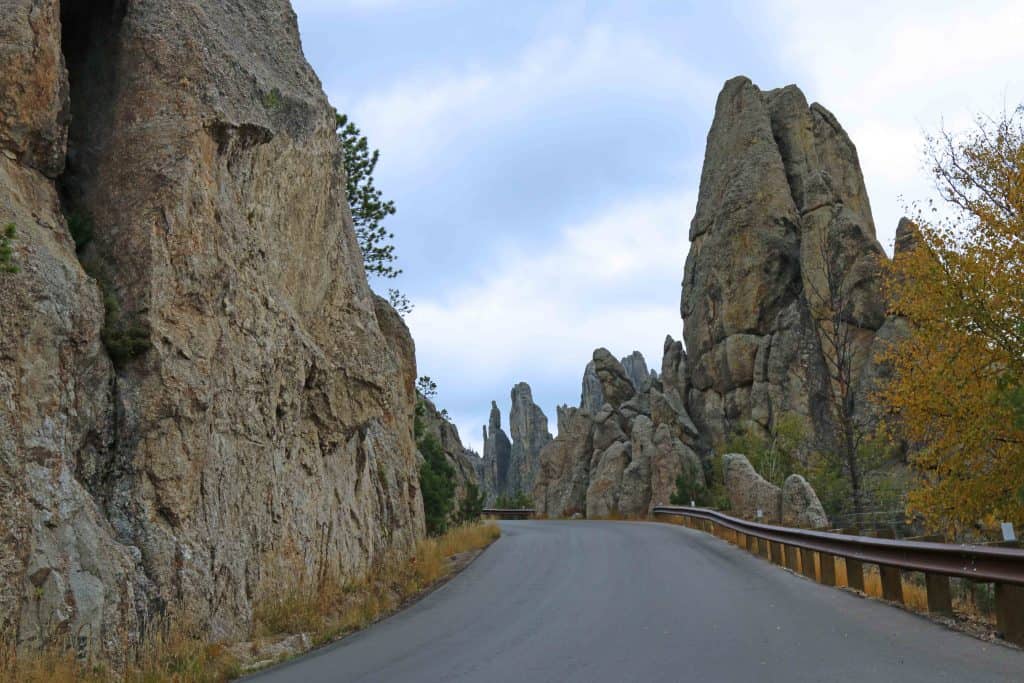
[893, 71]
[414, 119]
[612, 280]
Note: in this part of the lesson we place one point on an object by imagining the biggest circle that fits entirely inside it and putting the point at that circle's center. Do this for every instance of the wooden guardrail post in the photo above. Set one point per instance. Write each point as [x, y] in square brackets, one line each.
[940, 600]
[751, 543]
[854, 567]
[827, 563]
[1010, 612]
[776, 550]
[791, 560]
[807, 564]
[892, 580]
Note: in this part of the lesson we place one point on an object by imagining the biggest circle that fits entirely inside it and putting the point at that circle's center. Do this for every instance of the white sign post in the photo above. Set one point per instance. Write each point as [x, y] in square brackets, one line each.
[1008, 532]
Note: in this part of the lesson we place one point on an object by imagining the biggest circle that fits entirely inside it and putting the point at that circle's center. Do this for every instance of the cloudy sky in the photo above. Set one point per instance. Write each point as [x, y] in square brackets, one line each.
[545, 156]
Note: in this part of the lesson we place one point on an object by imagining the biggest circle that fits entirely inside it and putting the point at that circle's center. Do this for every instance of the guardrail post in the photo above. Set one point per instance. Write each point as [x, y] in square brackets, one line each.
[854, 574]
[828, 568]
[854, 567]
[751, 543]
[791, 561]
[762, 548]
[776, 550]
[940, 600]
[1010, 612]
[807, 564]
[892, 581]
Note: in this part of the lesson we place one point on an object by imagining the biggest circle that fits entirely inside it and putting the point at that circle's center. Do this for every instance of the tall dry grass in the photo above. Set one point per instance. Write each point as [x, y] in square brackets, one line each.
[324, 609]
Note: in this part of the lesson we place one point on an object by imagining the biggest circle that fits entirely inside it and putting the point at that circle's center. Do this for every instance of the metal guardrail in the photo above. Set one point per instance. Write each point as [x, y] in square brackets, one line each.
[509, 513]
[938, 561]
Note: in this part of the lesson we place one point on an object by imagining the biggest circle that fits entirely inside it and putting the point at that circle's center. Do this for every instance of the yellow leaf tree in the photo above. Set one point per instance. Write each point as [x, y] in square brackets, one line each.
[957, 384]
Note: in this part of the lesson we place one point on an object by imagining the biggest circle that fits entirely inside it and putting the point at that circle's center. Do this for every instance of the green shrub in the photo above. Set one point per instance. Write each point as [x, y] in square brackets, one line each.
[123, 338]
[437, 483]
[471, 507]
[81, 228]
[6, 251]
[515, 501]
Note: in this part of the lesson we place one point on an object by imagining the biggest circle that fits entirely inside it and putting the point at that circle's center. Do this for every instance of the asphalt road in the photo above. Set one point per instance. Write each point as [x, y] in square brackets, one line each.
[617, 601]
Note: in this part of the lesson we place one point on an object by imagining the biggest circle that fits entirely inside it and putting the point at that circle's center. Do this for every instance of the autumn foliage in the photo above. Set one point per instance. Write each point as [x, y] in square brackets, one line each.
[957, 388]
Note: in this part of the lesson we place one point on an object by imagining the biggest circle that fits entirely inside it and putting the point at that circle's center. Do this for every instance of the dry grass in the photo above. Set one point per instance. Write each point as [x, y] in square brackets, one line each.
[336, 606]
[325, 609]
[175, 655]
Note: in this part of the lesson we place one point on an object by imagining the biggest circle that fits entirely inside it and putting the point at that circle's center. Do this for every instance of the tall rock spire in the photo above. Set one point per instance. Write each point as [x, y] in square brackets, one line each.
[782, 207]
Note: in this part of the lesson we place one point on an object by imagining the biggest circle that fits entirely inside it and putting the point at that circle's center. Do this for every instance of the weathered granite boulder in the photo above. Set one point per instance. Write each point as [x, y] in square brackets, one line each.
[800, 505]
[748, 492]
[604, 488]
[616, 386]
[671, 459]
[635, 489]
[608, 428]
[563, 476]
[261, 398]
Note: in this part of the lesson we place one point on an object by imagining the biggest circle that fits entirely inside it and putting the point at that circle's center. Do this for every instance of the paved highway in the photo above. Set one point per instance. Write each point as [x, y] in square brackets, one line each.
[616, 601]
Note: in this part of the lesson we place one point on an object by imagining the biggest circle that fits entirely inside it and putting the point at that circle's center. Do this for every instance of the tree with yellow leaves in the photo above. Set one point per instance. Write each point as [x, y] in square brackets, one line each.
[958, 384]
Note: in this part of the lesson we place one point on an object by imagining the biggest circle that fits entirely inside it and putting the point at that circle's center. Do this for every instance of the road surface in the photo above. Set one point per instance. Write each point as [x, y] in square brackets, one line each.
[617, 601]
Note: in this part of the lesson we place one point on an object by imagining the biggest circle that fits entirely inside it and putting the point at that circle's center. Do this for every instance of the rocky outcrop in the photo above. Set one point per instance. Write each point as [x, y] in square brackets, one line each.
[563, 475]
[800, 505]
[529, 428]
[750, 496]
[616, 387]
[509, 467]
[782, 247]
[636, 370]
[258, 409]
[782, 222]
[591, 397]
[464, 461]
[625, 456]
[494, 466]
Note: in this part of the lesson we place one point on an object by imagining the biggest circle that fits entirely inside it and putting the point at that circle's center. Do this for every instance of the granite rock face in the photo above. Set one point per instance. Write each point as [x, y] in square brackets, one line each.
[494, 466]
[263, 416]
[637, 372]
[563, 476]
[782, 232]
[782, 216]
[529, 428]
[510, 466]
[464, 461]
[622, 457]
[616, 387]
[591, 397]
[33, 86]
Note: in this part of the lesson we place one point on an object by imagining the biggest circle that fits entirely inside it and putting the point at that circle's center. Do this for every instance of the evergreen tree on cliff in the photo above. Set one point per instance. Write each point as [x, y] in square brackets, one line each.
[369, 208]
